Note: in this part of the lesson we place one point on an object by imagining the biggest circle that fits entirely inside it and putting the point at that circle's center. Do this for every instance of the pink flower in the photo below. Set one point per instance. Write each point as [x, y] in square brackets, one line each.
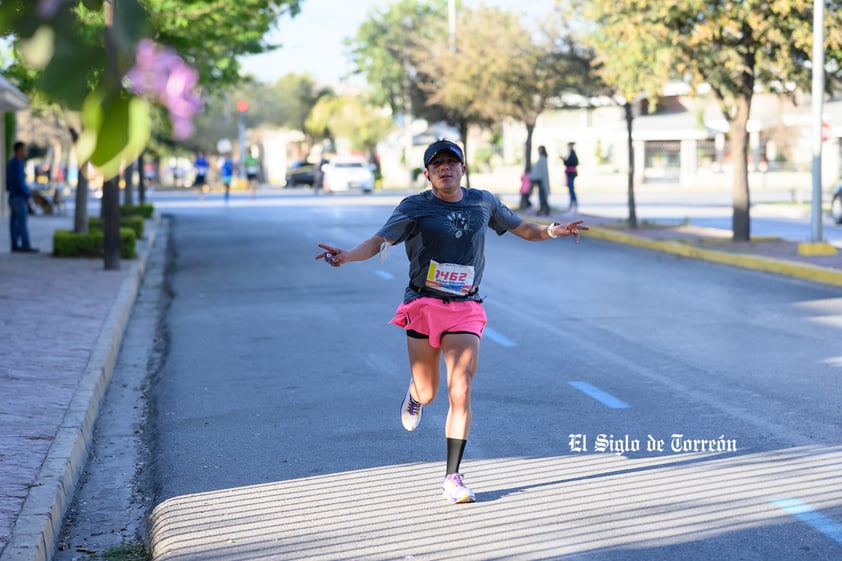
[160, 74]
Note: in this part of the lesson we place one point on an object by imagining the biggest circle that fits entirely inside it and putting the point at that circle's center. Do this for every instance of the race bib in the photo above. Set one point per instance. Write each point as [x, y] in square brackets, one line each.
[450, 278]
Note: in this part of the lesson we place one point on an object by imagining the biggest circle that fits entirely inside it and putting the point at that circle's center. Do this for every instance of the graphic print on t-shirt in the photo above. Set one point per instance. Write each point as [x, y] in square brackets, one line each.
[459, 223]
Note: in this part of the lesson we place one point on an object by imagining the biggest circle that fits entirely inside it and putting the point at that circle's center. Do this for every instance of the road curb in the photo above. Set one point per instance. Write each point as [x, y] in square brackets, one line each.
[804, 271]
[34, 536]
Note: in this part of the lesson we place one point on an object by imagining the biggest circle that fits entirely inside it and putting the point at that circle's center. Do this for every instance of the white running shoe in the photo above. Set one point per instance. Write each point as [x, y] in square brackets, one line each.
[454, 490]
[411, 412]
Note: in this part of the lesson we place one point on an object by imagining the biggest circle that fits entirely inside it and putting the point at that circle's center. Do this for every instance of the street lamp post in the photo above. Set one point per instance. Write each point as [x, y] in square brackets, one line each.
[242, 109]
[818, 93]
[451, 19]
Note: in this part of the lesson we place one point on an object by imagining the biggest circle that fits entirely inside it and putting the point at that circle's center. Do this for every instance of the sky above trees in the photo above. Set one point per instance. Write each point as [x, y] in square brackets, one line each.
[312, 41]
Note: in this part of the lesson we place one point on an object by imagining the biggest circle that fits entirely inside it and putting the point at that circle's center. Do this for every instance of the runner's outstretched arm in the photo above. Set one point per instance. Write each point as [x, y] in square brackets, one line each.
[365, 250]
[539, 232]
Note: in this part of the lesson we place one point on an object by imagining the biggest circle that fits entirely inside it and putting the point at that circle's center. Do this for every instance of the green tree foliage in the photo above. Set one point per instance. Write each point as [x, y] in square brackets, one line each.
[735, 48]
[349, 117]
[539, 69]
[291, 98]
[388, 51]
[82, 50]
[62, 53]
[283, 104]
[498, 68]
[320, 121]
[211, 34]
[495, 68]
[631, 65]
[64, 50]
[466, 78]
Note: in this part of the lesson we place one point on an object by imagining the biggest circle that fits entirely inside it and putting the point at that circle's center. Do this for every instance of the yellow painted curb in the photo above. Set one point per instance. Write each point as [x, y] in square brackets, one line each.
[787, 268]
[816, 248]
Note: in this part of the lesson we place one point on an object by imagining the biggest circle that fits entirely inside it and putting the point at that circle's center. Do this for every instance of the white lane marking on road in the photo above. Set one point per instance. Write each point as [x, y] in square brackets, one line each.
[811, 517]
[735, 410]
[498, 338]
[603, 397]
[385, 274]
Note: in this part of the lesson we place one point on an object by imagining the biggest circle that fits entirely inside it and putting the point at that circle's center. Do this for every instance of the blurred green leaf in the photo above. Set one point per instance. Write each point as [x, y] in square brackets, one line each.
[17, 16]
[115, 131]
[122, 135]
[37, 51]
[66, 76]
[92, 115]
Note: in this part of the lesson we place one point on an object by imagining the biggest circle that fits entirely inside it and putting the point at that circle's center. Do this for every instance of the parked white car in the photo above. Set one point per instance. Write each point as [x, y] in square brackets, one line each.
[344, 174]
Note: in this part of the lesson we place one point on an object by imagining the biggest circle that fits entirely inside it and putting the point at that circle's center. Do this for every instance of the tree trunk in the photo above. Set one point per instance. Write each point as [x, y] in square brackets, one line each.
[80, 213]
[111, 188]
[527, 155]
[111, 223]
[141, 178]
[128, 190]
[632, 206]
[741, 222]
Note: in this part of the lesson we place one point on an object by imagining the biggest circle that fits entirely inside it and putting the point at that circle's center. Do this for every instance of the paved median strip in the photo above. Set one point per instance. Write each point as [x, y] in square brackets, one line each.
[604, 398]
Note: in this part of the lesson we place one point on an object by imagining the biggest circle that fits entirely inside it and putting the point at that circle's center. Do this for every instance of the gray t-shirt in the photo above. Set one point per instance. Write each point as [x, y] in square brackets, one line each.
[445, 242]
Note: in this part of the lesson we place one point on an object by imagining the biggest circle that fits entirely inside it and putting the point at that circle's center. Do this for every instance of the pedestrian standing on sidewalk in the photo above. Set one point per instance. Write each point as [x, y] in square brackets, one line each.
[443, 230]
[571, 166]
[19, 196]
[525, 191]
[540, 175]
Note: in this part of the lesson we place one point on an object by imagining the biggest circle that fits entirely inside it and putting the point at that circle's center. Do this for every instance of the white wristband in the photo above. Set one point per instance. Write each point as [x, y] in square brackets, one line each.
[550, 230]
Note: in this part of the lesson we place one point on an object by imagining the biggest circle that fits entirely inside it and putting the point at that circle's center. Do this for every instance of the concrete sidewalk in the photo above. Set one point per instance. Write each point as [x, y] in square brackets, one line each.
[61, 325]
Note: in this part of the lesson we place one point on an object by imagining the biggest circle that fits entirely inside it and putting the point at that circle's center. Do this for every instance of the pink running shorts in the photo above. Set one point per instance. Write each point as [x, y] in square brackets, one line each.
[434, 317]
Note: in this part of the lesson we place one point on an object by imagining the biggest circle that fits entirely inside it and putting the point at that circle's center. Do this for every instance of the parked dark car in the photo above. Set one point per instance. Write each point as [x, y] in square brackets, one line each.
[836, 204]
[301, 173]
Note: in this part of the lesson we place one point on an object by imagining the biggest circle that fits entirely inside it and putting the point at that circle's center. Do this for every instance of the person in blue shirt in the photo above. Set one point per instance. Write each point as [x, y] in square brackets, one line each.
[19, 196]
[226, 173]
[201, 166]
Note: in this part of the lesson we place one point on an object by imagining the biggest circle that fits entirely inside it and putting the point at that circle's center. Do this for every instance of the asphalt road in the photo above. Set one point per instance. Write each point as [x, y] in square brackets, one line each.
[278, 434]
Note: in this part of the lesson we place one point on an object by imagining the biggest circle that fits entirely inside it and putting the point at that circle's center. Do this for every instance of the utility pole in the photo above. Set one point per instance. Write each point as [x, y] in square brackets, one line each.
[242, 109]
[818, 108]
[451, 19]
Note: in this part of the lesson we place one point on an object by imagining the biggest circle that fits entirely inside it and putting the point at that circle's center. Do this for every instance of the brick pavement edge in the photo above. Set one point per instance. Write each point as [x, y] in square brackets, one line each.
[34, 536]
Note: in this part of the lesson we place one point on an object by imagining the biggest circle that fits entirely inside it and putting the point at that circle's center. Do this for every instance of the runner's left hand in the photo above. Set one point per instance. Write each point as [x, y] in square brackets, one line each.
[572, 229]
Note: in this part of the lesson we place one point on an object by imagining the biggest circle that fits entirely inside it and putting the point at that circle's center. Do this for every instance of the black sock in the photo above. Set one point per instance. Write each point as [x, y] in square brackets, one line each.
[455, 449]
